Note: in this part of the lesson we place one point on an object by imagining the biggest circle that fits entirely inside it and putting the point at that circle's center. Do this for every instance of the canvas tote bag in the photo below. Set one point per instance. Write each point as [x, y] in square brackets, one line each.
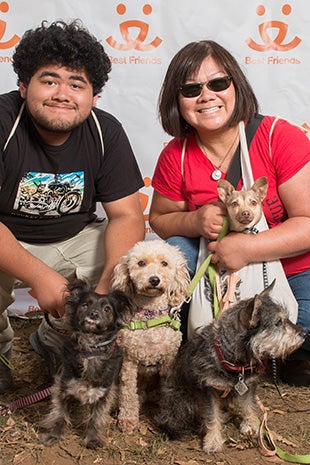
[253, 277]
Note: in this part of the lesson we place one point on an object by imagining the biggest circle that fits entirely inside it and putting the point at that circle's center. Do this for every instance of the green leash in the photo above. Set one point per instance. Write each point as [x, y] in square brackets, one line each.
[292, 458]
[6, 361]
[274, 450]
[207, 265]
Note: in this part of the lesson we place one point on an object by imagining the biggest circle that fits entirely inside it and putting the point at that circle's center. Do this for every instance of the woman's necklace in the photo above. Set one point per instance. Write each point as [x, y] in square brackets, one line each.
[216, 173]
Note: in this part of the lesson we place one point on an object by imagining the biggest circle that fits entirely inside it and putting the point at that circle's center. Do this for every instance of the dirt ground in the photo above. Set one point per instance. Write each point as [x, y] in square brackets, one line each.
[19, 439]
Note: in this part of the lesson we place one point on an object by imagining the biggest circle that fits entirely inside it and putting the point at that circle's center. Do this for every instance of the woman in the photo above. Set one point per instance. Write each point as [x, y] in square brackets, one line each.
[203, 98]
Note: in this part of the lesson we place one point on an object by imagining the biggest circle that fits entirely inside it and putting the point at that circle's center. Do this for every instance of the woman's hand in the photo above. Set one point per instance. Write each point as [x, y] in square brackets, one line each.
[170, 218]
[210, 219]
[232, 252]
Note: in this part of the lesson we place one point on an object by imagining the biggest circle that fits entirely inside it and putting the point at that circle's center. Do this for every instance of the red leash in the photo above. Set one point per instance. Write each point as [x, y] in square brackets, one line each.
[24, 401]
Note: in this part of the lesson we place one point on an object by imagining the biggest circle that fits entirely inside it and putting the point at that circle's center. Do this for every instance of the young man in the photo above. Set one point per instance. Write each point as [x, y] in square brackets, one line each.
[59, 156]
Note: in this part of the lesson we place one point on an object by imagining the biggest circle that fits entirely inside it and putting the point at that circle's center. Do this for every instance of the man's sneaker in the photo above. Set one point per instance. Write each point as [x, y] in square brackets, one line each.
[6, 378]
[50, 354]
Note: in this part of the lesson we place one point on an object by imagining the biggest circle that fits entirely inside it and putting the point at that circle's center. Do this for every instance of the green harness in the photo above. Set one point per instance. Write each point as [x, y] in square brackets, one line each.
[163, 320]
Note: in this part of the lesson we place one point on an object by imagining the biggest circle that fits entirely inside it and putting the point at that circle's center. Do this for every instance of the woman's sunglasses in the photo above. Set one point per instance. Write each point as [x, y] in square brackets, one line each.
[195, 89]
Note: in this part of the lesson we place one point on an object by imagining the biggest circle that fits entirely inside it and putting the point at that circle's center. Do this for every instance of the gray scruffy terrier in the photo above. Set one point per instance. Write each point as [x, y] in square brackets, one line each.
[91, 364]
[221, 365]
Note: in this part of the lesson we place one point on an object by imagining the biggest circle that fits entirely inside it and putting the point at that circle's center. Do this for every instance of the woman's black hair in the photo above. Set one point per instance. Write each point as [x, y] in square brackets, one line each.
[69, 45]
[183, 66]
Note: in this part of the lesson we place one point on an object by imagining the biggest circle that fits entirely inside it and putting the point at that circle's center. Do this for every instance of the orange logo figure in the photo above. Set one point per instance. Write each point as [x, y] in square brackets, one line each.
[143, 29]
[277, 42]
[144, 198]
[4, 8]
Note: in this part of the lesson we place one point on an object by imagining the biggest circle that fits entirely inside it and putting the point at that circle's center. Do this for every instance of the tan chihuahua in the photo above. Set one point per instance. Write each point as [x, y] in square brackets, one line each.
[244, 208]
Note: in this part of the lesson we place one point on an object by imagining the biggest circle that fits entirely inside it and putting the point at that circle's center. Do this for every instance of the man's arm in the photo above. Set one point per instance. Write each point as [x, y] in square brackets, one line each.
[125, 228]
[48, 285]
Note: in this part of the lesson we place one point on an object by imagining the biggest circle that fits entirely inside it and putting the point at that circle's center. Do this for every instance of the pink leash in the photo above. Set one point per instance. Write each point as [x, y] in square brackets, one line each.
[24, 401]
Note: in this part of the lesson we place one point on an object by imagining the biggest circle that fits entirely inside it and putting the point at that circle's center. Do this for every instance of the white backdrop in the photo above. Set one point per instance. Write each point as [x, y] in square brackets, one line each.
[269, 38]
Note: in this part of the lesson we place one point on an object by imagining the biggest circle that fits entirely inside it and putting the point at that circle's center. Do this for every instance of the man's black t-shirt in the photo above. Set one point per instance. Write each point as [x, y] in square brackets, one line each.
[49, 193]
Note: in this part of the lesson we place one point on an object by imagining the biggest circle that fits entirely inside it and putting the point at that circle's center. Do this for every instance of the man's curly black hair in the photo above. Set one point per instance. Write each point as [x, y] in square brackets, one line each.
[70, 45]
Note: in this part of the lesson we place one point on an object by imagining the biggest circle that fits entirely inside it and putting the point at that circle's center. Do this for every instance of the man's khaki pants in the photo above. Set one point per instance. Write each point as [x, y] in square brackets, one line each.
[81, 257]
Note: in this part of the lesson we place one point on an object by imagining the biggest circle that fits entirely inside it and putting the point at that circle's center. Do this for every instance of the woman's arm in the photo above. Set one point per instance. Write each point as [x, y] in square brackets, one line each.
[171, 218]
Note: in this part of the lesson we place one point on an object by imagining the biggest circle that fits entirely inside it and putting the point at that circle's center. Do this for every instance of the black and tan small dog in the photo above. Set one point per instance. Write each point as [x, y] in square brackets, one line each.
[91, 363]
[220, 367]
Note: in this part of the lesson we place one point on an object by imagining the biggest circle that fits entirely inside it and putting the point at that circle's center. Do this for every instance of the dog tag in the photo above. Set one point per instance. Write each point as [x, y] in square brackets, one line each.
[240, 387]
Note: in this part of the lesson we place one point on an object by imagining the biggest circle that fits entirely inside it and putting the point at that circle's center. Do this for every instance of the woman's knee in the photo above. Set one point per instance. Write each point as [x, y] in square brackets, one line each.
[189, 247]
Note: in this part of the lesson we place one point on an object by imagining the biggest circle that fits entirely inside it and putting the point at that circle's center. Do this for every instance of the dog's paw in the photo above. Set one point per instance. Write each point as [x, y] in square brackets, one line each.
[48, 439]
[127, 425]
[212, 442]
[249, 427]
[94, 443]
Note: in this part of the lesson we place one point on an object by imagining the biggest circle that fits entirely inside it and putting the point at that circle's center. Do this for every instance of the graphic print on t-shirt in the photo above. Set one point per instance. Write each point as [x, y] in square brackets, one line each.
[49, 195]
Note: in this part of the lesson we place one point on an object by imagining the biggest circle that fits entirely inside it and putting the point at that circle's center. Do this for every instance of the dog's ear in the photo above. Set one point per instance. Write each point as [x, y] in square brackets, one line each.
[178, 289]
[268, 289]
[76, 288]
[124, 306]
[225, 189]
[121, 279]
[260, 187]
[250, 315]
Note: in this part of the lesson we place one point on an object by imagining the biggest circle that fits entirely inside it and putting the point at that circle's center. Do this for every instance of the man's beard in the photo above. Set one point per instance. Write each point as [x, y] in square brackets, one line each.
[57, 126]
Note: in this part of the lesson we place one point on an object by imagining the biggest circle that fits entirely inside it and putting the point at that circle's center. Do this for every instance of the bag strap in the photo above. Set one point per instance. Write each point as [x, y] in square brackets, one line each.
[233, 176]
[234, 172]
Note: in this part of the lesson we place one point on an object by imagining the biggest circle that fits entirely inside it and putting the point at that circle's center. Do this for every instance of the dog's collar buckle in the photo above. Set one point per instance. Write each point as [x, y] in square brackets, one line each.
[252, 230]
[242, 370]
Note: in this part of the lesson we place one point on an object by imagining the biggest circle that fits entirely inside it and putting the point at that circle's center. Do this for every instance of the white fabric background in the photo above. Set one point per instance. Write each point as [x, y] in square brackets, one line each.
[278, 69]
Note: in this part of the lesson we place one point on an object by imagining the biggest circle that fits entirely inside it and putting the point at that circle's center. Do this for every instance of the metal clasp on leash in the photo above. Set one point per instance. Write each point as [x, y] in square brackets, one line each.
[175, 316]
[175, 311]
[4, 410]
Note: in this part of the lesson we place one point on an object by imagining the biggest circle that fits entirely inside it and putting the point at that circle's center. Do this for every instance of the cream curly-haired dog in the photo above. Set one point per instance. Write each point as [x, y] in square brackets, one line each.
[154, 275]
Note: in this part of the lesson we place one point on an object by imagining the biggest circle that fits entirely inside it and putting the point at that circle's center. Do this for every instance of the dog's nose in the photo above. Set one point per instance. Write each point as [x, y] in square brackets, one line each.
[246, 214]
[154, 281]
[94, 315]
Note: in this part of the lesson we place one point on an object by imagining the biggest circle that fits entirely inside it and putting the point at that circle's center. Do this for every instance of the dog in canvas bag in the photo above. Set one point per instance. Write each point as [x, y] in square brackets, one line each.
[253, 278]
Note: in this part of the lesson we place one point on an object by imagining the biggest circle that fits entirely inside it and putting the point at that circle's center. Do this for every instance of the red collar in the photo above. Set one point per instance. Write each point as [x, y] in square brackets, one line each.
[243, 369]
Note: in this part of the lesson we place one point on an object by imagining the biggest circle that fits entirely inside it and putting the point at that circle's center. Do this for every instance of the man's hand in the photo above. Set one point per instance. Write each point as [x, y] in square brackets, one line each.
[51, 294]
